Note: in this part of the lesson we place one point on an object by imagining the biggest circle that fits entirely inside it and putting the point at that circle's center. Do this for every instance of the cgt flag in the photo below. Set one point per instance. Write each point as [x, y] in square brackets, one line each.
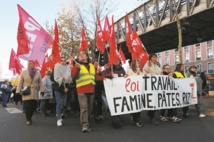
[83, 41]
[55, 46]
[100, 41]
[33, 40]
[14, 64]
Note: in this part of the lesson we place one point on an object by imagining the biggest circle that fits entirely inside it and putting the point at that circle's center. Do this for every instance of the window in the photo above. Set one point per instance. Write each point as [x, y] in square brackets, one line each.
[176, 49]
[186, 47]
[209, 42]
[197, 45]
[209, 53]
[166, 52]
[167, 61]
[176, 59]
[158, 54]
[186, 57]
[210, 67]
[198, 55]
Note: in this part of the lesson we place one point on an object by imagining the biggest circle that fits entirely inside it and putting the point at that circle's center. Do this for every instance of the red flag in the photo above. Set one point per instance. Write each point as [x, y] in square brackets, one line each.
[47, 65]
[22, 39]
[106, 30]
[83, 41]
[137, 44]
[129, 34]
[139, 51]
[122, 56]
[100, 41]
[38, 40]
[14, 63]
[37, 65]
[55, 46]
[113, 56]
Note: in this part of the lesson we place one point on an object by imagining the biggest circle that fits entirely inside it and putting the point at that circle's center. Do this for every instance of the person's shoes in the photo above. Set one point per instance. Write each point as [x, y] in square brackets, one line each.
[59, 122]
[154, 122]
[117, 124]
[176, 119]
[139, 124]
[98, 118]
[202, 115]
[85, 129]
[29, 122]
[163, 118]
[185, 116]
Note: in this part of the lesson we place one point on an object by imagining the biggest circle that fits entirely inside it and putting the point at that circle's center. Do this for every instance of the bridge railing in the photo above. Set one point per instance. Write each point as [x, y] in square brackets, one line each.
[157, 13]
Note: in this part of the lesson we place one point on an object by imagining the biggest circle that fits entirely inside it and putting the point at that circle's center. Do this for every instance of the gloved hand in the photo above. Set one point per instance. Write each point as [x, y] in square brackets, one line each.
[42, 94]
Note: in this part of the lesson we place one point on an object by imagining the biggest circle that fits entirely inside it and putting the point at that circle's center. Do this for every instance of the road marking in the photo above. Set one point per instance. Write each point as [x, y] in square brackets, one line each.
[13, 110]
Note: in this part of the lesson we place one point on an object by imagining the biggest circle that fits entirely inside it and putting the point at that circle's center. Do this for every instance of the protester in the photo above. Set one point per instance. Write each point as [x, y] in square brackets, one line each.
[30, 77]
[113, 72]
[4, 93]
[152, 66]
[204, 84]
[84, 74]
[136, 70]
[48, 93]
[9, 91]
[193, 74]
[179, 73]
[172, 113]
[99, 89]
[62, 79]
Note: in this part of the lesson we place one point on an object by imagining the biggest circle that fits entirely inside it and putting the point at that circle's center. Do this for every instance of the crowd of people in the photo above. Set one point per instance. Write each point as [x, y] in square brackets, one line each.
[80, 88]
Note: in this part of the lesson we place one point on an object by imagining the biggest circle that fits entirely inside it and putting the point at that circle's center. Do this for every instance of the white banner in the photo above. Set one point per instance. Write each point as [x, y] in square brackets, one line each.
[137, 93]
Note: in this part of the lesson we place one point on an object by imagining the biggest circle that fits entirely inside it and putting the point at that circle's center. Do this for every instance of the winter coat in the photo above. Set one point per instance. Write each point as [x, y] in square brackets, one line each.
[35, 86]
[117, 70]
[199, 81]
[47, 84]
[152, 68]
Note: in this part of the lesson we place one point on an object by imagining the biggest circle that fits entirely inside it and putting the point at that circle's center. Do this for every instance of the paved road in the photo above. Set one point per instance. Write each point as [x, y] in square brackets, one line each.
[13, 128]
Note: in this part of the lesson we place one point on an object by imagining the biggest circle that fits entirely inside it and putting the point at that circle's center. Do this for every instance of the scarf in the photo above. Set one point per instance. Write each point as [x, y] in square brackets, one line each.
[32, 72]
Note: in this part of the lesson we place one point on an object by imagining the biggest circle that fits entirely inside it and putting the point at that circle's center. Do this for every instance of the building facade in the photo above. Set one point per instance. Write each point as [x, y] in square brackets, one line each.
[200, 55]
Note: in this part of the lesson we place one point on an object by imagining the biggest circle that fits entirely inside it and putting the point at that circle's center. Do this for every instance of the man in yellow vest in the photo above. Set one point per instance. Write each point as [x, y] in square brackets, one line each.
[179, 73]
[84, 74]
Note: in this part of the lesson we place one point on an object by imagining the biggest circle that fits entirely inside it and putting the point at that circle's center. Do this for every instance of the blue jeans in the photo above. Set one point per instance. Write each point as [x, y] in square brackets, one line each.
[61, 100]
[4, 99]
[197, 106]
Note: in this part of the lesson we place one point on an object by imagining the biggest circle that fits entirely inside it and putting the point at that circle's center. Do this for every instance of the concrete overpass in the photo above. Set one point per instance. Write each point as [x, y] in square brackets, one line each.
[155, 23]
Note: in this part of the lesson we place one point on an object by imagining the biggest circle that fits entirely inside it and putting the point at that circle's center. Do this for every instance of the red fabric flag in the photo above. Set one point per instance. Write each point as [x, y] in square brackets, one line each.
[113, 56]
[14, 63]
[22, 39]
[38, 40]
[55, 46]
[100, 41]
[139, 51]
[83, 41]
[122, 56]
[47, 65]
[129, 34]
[106, 30]
[137, 44]
[37, 65]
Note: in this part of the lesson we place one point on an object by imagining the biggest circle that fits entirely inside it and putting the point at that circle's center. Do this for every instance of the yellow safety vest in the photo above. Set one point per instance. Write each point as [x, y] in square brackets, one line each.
[180, 75]
[85, 77]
